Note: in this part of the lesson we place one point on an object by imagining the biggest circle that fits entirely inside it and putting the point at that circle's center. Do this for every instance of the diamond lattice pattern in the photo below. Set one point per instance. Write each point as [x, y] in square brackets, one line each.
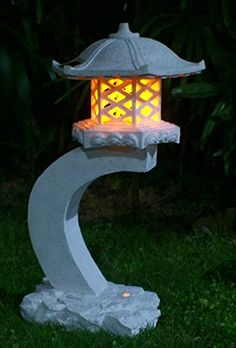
[126, 101]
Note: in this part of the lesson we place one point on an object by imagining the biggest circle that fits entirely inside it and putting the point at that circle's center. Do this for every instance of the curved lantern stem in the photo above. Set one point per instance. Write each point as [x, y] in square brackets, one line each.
[53, 213]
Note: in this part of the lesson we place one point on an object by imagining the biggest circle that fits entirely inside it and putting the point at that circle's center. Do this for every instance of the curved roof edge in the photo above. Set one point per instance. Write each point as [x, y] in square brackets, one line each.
[146, 70]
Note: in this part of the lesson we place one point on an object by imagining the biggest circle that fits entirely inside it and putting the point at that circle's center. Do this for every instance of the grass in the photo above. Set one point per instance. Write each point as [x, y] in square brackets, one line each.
[191, 268]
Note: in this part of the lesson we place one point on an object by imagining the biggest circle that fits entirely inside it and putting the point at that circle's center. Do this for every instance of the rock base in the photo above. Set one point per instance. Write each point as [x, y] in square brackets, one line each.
[120, 309]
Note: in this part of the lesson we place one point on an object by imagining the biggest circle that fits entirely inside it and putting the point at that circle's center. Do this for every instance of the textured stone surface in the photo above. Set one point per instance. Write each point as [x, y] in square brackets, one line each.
[110, 310]
[126, 54]
[53, 213]
[91, 134]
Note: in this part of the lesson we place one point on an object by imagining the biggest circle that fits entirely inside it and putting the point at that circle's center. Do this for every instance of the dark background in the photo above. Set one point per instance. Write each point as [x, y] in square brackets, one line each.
[37, 109]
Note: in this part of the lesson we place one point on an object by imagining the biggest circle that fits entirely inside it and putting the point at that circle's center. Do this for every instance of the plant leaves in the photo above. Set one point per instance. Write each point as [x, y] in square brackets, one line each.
[68, 92]
[222, 110]
[39, 11]
[209, 127]
[5, 71]
[195, 90]
[225, 13]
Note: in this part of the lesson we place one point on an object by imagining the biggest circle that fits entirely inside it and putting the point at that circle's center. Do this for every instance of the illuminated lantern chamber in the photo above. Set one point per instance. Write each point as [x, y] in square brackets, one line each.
[125, 101]
[125, 72]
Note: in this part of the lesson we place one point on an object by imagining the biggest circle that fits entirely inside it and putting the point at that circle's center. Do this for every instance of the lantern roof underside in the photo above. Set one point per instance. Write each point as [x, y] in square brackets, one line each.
[127, 54]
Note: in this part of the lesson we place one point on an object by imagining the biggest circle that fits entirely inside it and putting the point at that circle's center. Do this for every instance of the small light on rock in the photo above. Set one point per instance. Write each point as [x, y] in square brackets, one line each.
[126, 294]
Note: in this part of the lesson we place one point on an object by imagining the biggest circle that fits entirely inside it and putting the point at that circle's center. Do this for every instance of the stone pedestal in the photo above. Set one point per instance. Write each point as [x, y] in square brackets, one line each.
[120, 309]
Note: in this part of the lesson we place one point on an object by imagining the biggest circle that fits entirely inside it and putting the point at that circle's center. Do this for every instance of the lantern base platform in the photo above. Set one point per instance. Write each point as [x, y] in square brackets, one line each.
[120, 309]
[90, 134]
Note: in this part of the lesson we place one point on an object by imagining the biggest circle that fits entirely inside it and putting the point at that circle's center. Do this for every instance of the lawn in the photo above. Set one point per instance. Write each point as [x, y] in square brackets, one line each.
[190, 266]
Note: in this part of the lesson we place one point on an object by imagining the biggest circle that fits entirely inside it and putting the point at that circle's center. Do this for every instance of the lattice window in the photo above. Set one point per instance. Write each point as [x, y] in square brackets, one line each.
[126, 101]
[94, 99]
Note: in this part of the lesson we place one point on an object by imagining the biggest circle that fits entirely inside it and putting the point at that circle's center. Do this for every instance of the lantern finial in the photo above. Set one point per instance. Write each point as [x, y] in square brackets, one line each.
[124, 32]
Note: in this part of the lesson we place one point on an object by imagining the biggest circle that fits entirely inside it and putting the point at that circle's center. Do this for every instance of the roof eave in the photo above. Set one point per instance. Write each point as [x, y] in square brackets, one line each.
[147, 70]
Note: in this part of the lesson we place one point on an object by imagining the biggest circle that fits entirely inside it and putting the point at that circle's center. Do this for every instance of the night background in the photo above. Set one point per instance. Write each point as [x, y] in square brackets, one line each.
[176, 224]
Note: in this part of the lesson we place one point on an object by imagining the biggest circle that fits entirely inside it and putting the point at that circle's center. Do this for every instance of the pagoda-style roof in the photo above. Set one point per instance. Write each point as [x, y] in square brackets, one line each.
[127, 54]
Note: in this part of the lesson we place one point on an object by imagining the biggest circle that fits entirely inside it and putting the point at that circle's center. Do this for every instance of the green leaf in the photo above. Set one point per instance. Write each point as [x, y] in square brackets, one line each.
[210, 125]
[227, 162]
[218, 153]
[215, 50]
[22, 84]
[5, 71]
[198, 47]
[29, 36]
[83, 97]
[143, 29]
[166, 25]
[184, 4]
[218, 108]
[203, 301]
[222, 111]
[214, 12]
[189, 48]
[195, 90]
[179, 39]
[68, 92]
[39, 11]
[225, 13]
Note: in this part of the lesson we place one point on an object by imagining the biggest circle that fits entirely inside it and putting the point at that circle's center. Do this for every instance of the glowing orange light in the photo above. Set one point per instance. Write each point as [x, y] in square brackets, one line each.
[119, 101]
[126, 294]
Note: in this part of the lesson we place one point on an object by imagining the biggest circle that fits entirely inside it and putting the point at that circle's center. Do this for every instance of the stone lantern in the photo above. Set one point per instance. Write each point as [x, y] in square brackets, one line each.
[121, 134]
